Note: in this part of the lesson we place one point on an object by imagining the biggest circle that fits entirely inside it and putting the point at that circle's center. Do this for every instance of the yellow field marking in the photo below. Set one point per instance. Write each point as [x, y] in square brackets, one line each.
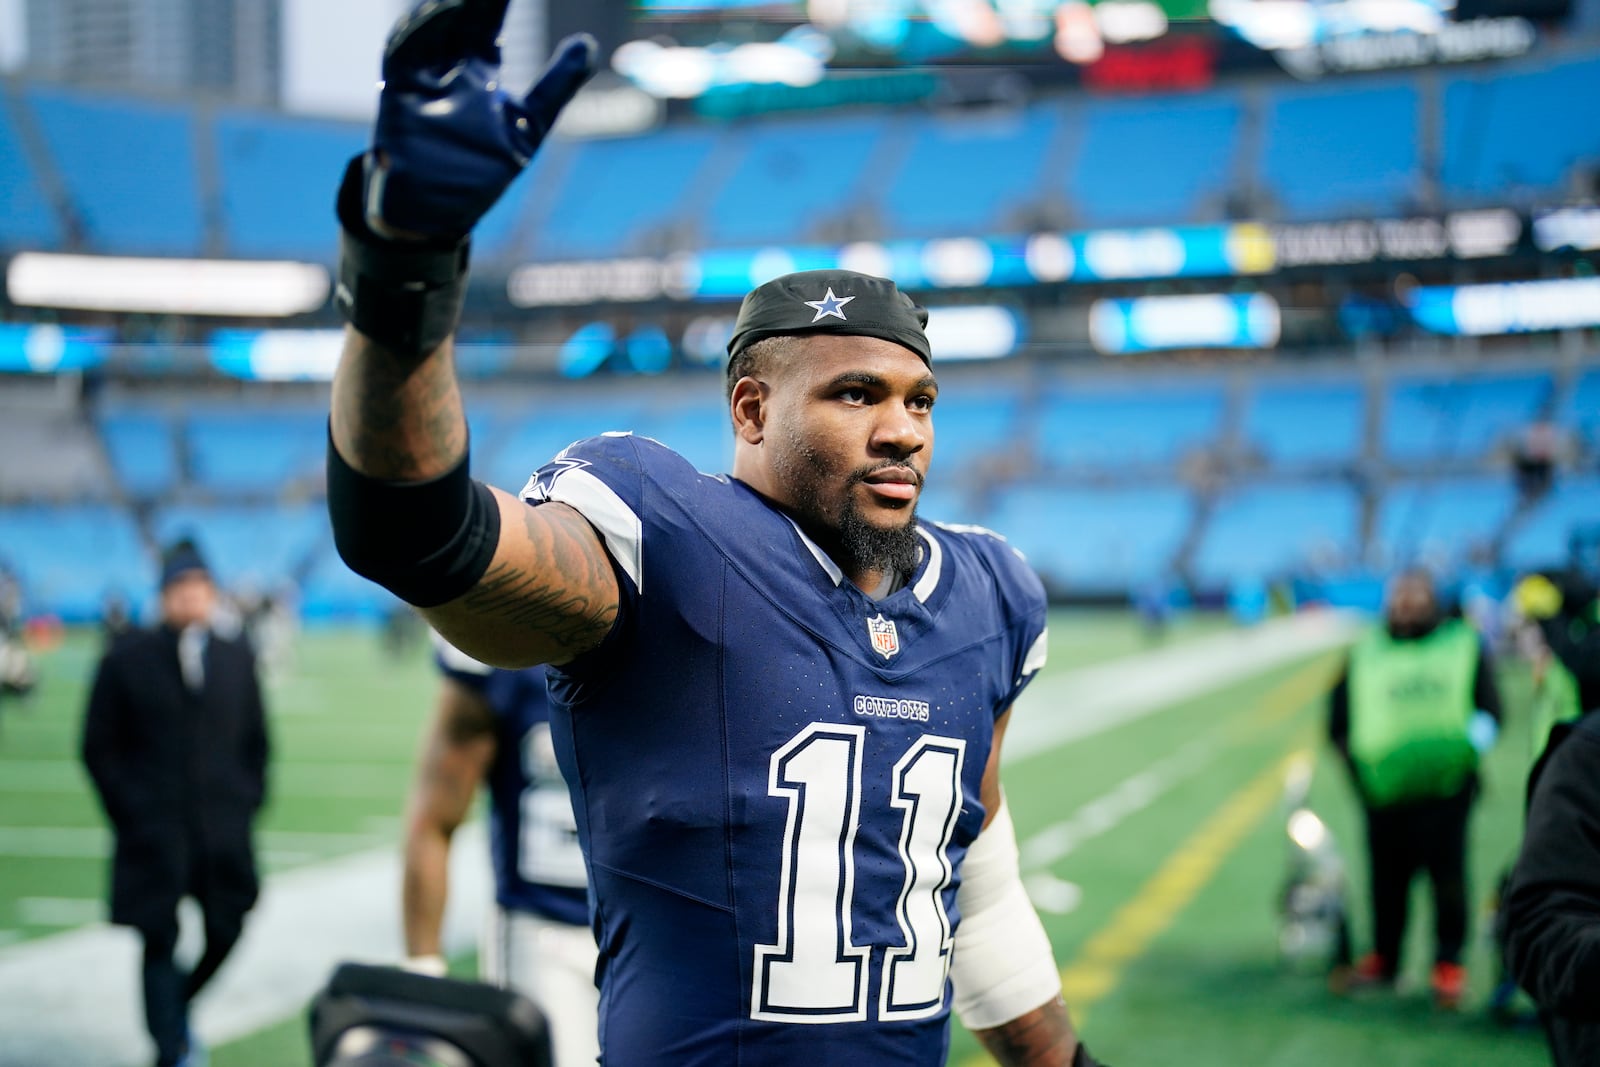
[1099, 965]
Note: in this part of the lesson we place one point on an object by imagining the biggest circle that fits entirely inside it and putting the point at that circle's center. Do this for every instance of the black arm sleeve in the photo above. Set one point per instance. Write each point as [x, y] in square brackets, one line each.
[1552, 908]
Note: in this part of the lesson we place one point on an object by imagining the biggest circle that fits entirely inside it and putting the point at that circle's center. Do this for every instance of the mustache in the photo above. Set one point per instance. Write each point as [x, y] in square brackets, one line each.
[861, 474]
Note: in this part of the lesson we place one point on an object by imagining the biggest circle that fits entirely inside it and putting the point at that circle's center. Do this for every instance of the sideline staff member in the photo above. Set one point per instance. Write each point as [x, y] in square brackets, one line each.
[1415, 707]
[175, 740]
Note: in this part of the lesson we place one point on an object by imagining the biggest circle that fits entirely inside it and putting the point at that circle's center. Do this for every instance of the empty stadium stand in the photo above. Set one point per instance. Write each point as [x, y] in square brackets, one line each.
[1342, 152]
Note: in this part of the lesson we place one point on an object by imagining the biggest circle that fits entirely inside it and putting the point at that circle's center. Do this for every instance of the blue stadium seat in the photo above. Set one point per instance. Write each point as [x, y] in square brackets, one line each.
[1582, 410]
[1266, 530]
[1515, 134]
[277, 177]
[26, 218]
[1307, 424]
[1094, 540]
[615, 193]
[1341, 152]
[791, 176]
[255, 450]
[1541, 539]
[332, 592]
[1442, 523]
[967, 175]
[69, 559]
[1156, 160]
[129, 169]
[534, 437]
[258, 547]
[972, 425]
[142, 447]
[1440, 418]
[1093, 428]
[701, 431]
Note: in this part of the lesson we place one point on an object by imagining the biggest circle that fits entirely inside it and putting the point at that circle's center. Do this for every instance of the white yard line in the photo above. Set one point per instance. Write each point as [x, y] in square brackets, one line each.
[73, 998]
[1077, 704]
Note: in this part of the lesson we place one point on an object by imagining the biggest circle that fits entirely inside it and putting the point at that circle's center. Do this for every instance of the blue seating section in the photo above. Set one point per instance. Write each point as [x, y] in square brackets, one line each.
[701, 432]
[1442, 523]
[790, 177]
[1263, 531]
[973, 426]
[70, 558]
[1124, 173]
[1583, 410]
[1459, 417]
[258, 547]
[143, 450]
[276, 179]
[1542, 538]
[1519, 133]
[1094, 540]
[1106, 429]
[1295, 425]
[26, 218]
[255, 450]
[615, 193]
[965, 175]
[129, 169]
[1341, 152]
[332, 592]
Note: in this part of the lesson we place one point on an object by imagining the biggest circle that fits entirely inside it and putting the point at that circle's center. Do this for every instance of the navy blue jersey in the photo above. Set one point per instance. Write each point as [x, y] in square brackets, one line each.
[775, 776]
[533, 842]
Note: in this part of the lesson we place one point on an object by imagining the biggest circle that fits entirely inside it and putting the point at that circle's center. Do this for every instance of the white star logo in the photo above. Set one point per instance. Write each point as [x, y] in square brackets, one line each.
[829, 305]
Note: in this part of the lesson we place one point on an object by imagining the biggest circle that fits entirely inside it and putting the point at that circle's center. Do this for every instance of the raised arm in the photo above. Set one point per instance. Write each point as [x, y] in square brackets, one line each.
[509, 584]
[1007, 986]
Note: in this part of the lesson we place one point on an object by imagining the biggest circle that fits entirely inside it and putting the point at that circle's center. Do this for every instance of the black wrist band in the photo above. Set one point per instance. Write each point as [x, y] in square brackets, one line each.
[404, 295]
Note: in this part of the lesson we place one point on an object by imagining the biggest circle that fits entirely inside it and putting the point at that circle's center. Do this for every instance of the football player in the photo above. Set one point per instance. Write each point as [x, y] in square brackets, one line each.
[778, 698]
[492, 728]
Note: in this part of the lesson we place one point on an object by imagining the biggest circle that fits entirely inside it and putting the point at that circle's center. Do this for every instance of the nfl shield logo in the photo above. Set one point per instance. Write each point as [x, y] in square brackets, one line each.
[885, 638]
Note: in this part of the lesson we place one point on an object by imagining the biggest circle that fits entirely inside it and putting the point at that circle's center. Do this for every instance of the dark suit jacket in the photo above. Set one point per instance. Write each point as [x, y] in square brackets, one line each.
[180, 774]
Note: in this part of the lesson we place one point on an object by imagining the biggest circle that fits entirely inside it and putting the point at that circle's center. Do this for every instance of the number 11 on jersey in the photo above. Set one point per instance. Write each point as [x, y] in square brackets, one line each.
[814, 973]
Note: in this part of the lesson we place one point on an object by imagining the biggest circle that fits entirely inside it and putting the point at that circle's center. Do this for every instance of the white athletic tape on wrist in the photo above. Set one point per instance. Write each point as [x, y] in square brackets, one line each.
[1002, 966]
[432, 966]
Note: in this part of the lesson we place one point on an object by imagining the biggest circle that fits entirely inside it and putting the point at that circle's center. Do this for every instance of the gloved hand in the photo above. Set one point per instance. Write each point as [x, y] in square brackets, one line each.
[449, 138]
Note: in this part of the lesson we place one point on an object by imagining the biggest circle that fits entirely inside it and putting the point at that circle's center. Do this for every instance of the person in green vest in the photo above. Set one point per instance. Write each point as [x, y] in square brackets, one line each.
[1565, 609]
[1411, 714]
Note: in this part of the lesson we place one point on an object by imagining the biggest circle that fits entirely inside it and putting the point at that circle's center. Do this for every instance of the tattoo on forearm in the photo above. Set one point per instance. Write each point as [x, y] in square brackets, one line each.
[574, 611]
[394, 418]
[1041, 1038]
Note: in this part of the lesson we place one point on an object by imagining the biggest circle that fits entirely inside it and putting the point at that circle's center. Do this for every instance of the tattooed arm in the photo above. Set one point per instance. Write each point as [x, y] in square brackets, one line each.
[1041, 1038]
[549, 593]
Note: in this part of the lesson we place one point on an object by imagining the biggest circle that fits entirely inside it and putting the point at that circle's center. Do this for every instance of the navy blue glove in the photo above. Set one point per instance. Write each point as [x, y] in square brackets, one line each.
[449, 138]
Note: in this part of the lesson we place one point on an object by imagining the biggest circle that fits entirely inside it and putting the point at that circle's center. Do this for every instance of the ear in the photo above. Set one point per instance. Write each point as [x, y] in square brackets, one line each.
[749, 409]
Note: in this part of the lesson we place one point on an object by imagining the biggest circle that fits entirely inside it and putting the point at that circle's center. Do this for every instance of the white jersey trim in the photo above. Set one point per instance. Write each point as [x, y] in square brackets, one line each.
[619, 526]
[930, 577]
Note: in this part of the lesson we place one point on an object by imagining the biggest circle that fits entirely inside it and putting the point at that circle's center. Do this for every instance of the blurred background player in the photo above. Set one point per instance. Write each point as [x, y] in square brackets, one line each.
[175, 739]
[492, 729]
[1414, 709]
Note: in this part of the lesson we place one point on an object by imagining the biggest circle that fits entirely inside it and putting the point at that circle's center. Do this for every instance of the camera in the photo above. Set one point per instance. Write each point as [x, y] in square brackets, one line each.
[370, 1016]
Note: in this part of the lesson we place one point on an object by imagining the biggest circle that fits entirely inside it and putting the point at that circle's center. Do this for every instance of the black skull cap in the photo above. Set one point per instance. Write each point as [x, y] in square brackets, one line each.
[831, 301]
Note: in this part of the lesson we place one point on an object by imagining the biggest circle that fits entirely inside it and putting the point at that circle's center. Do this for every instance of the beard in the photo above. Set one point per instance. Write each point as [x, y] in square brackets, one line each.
[853, 542]
[865, 547]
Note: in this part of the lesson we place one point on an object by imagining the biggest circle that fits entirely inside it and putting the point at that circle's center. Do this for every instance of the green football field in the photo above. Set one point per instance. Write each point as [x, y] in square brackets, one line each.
[1162, 915]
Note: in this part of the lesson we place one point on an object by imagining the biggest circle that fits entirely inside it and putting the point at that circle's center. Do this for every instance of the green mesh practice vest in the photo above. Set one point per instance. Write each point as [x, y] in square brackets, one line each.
[1410, 704]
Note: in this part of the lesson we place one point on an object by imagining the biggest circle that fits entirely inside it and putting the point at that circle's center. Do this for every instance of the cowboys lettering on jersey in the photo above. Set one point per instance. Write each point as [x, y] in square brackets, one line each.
[776, 776]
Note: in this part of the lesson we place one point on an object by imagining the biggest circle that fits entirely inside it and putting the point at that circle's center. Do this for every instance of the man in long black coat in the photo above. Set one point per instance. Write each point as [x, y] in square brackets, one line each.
[175, 740]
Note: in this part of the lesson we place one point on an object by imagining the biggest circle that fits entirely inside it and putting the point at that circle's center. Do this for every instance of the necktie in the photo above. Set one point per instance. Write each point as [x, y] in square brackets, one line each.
[191, 656]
